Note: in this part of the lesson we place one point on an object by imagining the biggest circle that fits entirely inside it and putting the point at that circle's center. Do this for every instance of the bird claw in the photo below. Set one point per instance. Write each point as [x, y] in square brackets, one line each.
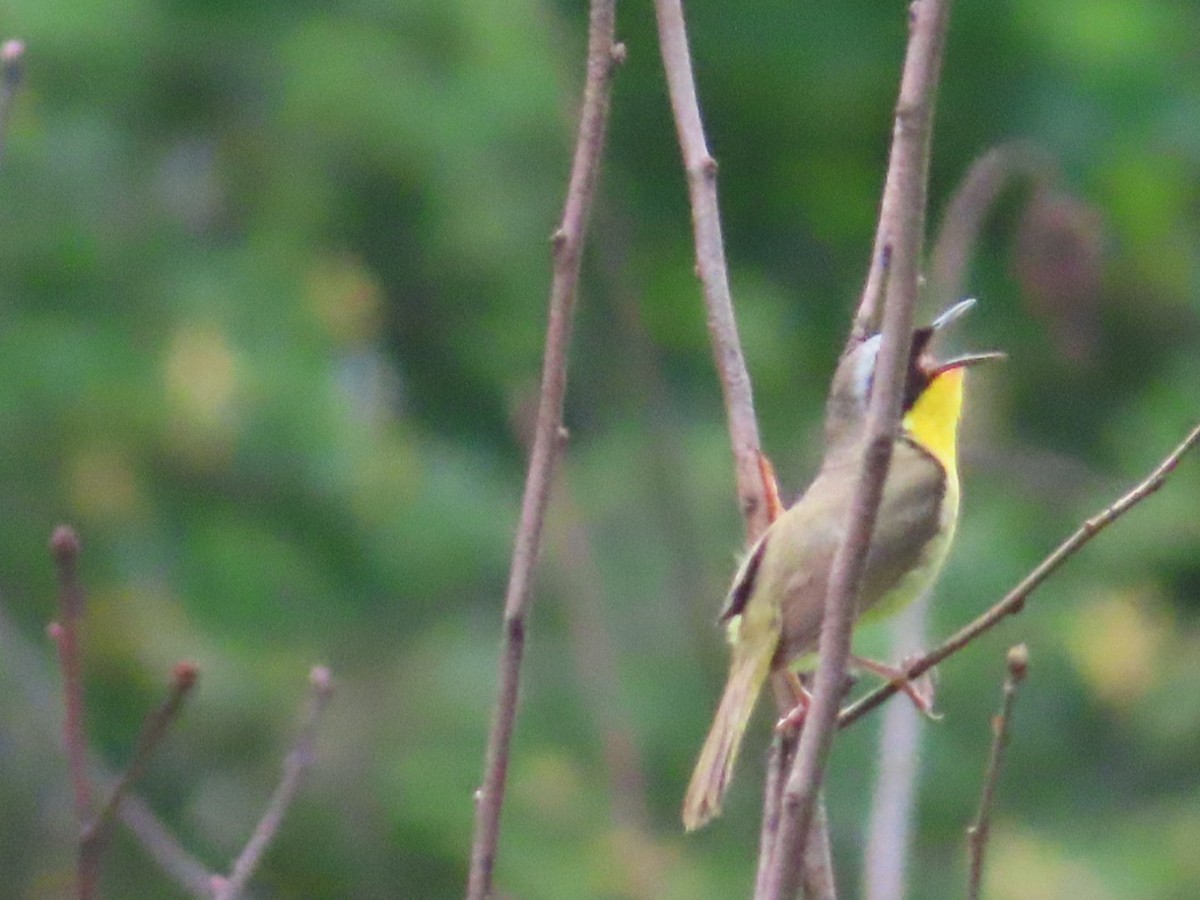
[919, 690]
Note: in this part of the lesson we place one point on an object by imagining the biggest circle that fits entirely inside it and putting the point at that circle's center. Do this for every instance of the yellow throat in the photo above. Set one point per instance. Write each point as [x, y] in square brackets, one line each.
[932, 422]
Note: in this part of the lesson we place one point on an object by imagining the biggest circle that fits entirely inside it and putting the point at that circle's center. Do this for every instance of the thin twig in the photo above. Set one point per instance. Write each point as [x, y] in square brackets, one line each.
[164, 848]
[908, 169]
[64, 547]
[712, 270]
[701, 171]
[1014, 601]
[294, 768]
[98, 833]
[12, 70]
[1017, 666]
[603, 57]
[27, 671]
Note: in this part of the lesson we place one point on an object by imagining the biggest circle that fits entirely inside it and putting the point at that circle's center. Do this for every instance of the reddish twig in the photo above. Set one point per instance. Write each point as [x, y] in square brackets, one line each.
[295, 766]
[1014, 601]
[604, 54]
[977, 834]
[98, 832]
[907, 171]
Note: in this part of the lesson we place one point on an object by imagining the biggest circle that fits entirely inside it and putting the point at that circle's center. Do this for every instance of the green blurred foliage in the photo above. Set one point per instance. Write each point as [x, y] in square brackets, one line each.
[273, 283]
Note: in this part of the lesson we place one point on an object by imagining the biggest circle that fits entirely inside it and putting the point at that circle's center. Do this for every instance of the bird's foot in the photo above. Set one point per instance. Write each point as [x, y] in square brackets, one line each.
[793, 720]
[919, 690]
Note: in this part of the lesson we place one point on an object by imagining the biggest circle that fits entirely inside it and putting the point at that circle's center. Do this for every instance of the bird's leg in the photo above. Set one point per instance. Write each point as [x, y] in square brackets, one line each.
[920, 693]
[794, 718]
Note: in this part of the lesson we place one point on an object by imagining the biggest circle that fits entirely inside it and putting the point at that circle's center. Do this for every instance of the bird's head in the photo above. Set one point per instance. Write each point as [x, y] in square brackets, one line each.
[932, 399]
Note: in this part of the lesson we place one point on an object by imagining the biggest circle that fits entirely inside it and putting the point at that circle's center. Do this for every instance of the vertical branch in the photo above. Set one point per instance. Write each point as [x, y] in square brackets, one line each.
[603, 56]
[890, 820]
[64, 546]
[977, 834]
[908, 168]
[701, 171]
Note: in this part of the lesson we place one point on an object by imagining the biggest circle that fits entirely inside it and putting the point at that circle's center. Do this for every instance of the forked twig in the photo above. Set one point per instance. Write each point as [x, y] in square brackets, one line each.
[1014, 601]
[1017, 666]
[25, 663]
[604, 54]
[298, 761]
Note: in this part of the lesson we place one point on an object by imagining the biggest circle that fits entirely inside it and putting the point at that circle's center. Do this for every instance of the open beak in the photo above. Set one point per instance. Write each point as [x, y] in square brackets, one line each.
[951, 315]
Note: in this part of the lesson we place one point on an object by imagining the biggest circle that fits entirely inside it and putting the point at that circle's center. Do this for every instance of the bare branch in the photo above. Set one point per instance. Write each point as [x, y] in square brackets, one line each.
[907, 171]
[297, 763]
[64, 547]
[754, 494]
[1014, 601]
[179, 865]
[701, 171]
[98, 833]
[28, 673]
[603, 56]
[1017, 666]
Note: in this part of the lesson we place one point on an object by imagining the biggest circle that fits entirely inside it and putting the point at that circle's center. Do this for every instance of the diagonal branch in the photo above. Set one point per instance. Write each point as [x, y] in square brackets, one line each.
[1014, 601]
[907, 172]
[294, 768]
[603, 56]
[755, 491]
[99, 831]
[701, 171]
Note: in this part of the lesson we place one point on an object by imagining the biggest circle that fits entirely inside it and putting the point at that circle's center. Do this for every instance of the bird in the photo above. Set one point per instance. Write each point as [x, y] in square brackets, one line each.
[774, 608]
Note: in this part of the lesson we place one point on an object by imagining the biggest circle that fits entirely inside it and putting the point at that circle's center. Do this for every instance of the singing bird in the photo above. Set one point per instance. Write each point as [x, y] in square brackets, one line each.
[774, 608]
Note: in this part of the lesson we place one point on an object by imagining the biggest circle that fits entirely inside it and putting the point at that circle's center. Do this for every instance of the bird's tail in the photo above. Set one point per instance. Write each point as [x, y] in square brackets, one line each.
[747, 672]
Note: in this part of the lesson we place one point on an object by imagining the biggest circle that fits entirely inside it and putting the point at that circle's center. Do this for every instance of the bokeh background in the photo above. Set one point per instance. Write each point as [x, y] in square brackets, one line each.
[273, 280]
